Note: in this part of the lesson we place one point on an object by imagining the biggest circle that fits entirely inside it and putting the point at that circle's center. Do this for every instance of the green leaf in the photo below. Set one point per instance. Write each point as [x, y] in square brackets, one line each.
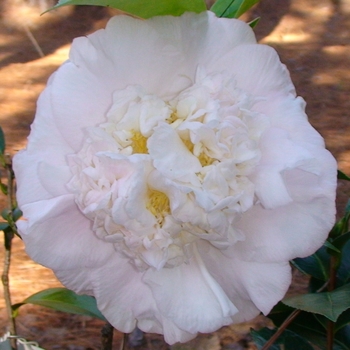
[316, 265]
[328, 304]
[343, 176]
[341, 241]
[288, 339]
[65, 300]
[3, 226]
[332, 249]
[305, 324]
[254, 22]
[343, 271]
[2, 141]
[5, 214]
[232, 8]
[16, 214]
[343, 320]
[3, 188]
[342, 338]
[143, 8]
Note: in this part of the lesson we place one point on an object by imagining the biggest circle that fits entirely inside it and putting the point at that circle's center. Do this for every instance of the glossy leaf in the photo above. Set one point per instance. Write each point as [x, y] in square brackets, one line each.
[343, 176]
[232, 8]
[328, 304]
[143, 8]
[5, 214]
[62, 299]
[341, 241]
[332, 249]
[3, 226]
[288, 339]
[316, 265]
[343, 271]
[305, 324]
[342, 338]
[16, 214]
[341, 226]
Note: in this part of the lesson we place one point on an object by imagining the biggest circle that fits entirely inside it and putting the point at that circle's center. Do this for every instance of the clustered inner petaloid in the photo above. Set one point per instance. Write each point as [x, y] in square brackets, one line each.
[159, 175]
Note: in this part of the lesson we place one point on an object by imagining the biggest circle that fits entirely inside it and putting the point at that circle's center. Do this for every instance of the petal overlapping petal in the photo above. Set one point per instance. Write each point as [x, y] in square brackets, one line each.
[171, 172]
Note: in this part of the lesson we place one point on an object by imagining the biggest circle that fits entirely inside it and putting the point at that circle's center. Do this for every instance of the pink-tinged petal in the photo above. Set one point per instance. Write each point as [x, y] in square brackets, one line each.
[46, 145]
[121, 295]
[96, 69]
[189, 225]
[257, 70]
[171, 156]
[296, 230]
[173, 334]
[59, 236]
[190, 297]
[252, 287]
[288, 113]
[278, 153]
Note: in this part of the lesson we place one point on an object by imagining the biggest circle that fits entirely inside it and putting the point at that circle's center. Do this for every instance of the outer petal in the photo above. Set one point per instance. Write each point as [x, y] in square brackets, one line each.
[214, 287]
[253, 287]
[121, 295]
[59, 236]
[97, 68]
[190, 297]
[257, 70]
[296, 230]
[27, 162]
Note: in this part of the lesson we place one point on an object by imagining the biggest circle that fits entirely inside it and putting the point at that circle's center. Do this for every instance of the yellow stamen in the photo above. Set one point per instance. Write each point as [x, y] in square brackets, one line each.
[173, 117]
[205, 160]
[139, 143]
[158, 204]
[188, 144]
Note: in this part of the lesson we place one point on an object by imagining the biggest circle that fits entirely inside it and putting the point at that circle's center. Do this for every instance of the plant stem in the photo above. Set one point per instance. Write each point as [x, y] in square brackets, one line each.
[8, 236]
[107, 337]
[284, 325]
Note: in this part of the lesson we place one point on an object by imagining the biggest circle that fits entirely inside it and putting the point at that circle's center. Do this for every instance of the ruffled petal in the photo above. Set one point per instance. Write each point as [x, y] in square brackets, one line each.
[26, 163]
[257, 70]
[253, 287]
[57, 226]
[180, 290]
[287, 232]
[171, 157]
[121, 295]
[172, 174]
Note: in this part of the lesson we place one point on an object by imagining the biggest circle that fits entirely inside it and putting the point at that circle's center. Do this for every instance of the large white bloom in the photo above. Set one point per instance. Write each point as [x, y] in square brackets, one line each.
[171, 172]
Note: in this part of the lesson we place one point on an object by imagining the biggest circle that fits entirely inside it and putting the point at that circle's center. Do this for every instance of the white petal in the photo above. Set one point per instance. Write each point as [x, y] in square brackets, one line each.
[171, 156]
[45, 144]
[257, 70]
[296, 230]
[124, 299]
[250, 286]
[59, 236]
[190, 297]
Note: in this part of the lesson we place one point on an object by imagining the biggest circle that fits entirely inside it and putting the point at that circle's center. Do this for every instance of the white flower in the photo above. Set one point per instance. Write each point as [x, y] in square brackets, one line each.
[171, 173]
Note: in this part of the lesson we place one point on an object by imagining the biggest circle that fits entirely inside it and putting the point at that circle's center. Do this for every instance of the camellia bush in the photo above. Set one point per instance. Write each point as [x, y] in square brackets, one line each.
[175, 178]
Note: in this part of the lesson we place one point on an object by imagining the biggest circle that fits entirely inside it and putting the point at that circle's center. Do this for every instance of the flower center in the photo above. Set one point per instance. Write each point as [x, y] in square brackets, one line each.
[139, 143]
[158, 204]
[159, 175]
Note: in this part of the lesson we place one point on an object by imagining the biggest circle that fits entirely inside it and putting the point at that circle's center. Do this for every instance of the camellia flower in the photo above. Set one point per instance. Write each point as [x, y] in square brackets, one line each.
[171, 172]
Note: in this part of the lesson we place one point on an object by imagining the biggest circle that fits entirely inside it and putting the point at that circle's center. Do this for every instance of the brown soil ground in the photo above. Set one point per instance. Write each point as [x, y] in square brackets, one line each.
[313, 40]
